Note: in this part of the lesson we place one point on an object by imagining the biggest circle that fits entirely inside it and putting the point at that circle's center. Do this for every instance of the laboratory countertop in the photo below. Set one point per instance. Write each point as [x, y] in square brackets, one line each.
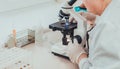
[42, 58]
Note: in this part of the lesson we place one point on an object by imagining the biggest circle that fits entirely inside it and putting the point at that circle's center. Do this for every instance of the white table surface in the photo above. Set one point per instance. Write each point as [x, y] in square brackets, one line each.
[43, 59]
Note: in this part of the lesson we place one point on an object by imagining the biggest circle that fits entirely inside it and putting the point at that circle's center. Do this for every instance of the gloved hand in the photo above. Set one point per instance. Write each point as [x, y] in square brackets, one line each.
[75, 50]
[72, 20]
[90, 17]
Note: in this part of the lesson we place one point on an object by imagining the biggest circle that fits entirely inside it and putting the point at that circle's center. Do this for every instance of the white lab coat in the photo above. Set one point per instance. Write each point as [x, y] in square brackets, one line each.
[104, 42]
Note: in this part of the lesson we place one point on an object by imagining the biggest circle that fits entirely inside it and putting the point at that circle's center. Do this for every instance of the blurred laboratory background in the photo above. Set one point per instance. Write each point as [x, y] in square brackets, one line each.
[23, 14]
[21, 46]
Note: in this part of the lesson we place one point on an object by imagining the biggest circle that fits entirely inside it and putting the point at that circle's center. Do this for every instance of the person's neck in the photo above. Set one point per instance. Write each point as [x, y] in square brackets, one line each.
[105, 4]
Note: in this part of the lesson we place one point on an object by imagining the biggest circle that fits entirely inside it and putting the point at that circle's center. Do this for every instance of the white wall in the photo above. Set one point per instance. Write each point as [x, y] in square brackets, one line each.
[6, 5]
[41, 14]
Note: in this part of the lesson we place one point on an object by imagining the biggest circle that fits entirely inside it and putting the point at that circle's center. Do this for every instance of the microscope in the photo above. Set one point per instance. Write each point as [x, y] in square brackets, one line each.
[66, 28]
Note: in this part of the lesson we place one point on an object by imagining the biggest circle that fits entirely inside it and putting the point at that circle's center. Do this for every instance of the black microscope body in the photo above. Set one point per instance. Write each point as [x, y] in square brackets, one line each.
[66, 28]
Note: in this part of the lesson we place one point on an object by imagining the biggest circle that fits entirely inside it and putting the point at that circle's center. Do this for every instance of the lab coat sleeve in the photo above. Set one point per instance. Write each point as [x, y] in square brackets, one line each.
[84, 64]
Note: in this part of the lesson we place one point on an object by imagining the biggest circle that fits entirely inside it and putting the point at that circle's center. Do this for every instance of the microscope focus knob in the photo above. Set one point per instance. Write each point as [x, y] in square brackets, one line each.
[79, 39]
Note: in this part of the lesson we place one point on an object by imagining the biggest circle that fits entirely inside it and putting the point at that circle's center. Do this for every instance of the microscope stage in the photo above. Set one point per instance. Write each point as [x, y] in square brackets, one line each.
[61, 26]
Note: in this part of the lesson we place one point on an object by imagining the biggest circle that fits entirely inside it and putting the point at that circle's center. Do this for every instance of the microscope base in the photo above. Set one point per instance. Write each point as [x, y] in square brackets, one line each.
[59, 55]
[60, 50]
